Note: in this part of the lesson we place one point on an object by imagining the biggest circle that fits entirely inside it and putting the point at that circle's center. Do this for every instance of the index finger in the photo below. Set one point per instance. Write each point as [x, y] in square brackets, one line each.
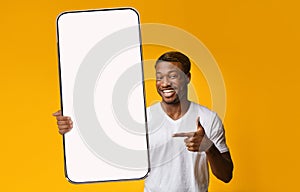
[63, 118]
[186, 134]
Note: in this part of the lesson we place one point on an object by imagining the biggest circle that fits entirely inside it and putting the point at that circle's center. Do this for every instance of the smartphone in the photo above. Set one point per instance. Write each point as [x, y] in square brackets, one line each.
[102, 90]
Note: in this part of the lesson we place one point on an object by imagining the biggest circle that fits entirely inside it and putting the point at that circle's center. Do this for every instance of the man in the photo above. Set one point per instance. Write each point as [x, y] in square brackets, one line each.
[183, 135]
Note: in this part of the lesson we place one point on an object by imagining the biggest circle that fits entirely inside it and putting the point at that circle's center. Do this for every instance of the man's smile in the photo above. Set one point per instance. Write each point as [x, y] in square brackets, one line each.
[168, 92]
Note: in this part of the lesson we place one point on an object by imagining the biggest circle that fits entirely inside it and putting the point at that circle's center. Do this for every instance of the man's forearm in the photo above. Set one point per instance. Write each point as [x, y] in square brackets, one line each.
[220, 163]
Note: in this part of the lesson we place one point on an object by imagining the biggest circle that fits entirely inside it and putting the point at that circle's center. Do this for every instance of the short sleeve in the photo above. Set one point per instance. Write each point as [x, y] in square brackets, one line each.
[217, 134]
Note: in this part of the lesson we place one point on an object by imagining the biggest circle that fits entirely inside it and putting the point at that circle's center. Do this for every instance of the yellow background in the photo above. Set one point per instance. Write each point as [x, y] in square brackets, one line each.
[255, 42]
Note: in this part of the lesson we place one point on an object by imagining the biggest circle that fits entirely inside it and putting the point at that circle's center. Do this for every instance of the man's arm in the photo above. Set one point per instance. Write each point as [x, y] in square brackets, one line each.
[220, 163]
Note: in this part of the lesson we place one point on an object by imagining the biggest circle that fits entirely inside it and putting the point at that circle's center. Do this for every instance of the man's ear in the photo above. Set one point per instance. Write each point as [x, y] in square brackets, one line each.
[189, 76]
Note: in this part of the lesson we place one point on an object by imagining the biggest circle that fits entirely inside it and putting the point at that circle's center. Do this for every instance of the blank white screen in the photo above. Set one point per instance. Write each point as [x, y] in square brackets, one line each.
[102, 91]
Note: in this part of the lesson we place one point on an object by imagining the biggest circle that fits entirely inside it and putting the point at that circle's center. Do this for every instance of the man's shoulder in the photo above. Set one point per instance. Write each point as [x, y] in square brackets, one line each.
[202, 109]
[155, 105]
[154, 109]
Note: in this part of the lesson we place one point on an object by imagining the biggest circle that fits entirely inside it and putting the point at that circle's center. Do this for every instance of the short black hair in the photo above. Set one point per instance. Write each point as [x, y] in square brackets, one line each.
[175, 56]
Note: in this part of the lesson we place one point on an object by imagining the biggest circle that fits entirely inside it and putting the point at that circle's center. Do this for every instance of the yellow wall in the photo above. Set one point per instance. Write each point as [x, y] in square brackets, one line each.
[256, 44]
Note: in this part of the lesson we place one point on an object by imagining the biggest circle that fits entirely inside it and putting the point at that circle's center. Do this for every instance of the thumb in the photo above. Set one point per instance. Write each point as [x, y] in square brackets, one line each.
[199, 126]
[57, 113]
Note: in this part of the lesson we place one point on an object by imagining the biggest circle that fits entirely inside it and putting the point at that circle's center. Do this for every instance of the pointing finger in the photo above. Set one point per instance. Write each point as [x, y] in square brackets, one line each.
[189, 134]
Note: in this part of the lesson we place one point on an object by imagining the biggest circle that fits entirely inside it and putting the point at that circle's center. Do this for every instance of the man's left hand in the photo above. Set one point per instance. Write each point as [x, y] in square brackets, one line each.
[196, 141]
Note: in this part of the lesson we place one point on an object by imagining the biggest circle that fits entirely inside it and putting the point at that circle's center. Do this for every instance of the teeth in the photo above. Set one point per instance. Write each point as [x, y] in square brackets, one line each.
[168, 91]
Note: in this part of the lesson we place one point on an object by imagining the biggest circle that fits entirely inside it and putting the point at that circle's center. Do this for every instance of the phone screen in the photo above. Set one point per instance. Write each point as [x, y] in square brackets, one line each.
[102, 90]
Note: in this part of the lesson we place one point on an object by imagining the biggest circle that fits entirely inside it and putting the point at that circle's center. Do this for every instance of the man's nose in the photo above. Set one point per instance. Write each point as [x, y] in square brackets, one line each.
[165, 82]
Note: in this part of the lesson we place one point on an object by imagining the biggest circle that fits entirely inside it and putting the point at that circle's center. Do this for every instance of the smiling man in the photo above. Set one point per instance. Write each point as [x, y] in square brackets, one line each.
[183, 136]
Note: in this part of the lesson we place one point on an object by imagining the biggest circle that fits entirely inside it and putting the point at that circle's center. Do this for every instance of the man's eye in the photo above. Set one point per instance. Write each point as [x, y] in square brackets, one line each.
[173, 76]
[158, 78]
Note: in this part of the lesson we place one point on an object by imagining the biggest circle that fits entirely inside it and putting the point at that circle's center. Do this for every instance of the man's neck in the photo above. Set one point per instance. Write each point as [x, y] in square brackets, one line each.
[177, 110]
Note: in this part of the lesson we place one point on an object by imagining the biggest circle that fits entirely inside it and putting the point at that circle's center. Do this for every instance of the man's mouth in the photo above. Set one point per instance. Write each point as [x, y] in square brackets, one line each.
[168, 92]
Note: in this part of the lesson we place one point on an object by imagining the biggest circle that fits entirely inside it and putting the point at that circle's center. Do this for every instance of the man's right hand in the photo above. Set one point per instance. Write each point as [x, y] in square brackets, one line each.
[64, 123]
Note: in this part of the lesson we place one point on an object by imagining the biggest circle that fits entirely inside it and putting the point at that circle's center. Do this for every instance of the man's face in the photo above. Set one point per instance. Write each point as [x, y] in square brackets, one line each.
[171, 82]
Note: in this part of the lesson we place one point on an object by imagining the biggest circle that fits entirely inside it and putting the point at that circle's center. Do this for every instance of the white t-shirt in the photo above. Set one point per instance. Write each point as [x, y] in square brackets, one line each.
[173, 167]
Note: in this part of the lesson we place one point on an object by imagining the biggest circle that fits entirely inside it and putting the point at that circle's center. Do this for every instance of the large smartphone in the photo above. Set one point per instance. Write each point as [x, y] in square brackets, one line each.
[102, 90]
